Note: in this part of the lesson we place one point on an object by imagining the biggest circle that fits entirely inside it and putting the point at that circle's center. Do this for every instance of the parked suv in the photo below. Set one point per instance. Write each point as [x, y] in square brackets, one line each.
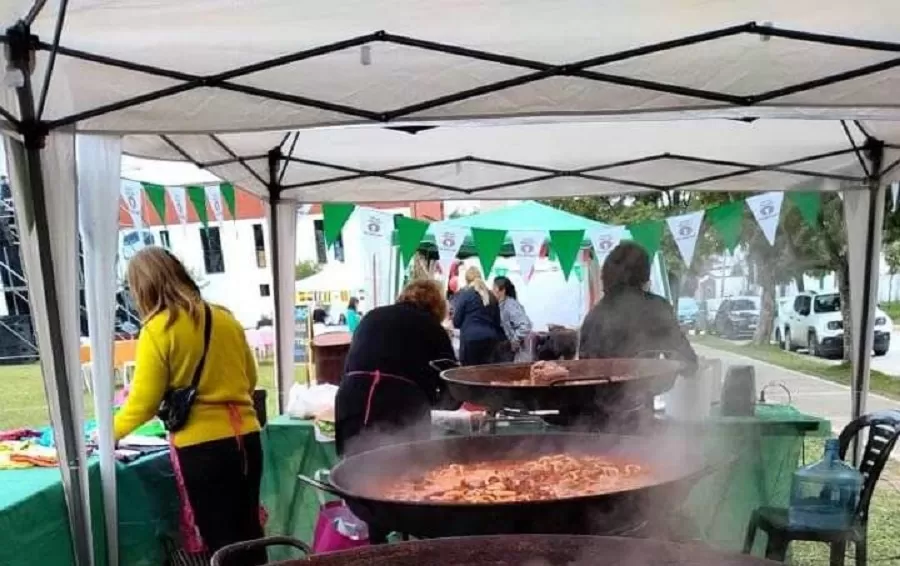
[815, 322]
[737, 317]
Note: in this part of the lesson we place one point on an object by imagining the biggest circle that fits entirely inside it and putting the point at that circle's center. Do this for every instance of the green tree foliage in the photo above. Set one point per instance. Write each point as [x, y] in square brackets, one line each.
[306, 269]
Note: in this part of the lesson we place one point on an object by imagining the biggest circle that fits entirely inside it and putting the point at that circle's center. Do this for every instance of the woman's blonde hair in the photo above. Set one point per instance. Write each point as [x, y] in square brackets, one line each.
[474, 280]
[426, 294]
[159, 282]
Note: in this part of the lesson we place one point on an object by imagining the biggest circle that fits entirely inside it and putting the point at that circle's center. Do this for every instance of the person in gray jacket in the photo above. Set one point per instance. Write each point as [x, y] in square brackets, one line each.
[514, 319]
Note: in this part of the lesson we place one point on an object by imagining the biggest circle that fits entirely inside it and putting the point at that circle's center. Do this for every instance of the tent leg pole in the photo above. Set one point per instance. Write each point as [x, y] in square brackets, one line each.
[274, 198]
[865, 333]
[34, 136]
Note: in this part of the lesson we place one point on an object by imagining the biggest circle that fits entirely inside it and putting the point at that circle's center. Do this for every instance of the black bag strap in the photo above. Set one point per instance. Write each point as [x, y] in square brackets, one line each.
[207, 331]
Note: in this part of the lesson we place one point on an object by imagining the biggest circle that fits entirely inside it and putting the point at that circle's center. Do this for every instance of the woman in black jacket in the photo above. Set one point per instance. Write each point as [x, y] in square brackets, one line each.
[629, 320]
[476, 313]
[389, 387]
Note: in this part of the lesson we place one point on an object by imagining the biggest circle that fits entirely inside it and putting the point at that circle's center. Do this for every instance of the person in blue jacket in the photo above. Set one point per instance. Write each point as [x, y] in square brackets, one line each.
[476, 314]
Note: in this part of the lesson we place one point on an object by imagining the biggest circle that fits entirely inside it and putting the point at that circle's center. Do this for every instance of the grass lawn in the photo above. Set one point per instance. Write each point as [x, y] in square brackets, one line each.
[23, 402]
[881, 383]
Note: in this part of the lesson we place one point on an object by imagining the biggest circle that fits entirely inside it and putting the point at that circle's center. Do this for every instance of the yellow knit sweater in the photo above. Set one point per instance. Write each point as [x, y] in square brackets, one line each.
[167, 358]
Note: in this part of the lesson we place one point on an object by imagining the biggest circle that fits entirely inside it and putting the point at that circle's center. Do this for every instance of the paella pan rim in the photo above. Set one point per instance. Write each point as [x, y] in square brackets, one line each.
[658, 483]
[586, 542]
[449, 375]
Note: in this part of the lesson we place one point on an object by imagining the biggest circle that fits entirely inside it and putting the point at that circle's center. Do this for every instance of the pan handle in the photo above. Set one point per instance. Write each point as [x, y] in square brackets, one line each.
[442, 364]
[324, 485]
[223, 553]
[568, 380]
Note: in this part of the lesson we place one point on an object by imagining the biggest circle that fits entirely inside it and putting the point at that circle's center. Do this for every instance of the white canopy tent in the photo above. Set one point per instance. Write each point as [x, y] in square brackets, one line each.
[500, 99]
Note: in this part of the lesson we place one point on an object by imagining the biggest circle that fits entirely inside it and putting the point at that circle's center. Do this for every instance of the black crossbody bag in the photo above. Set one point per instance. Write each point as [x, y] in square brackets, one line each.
[176, 404]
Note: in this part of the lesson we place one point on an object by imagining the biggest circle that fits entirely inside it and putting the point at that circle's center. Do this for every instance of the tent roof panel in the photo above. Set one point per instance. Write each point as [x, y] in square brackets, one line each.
[546, 59]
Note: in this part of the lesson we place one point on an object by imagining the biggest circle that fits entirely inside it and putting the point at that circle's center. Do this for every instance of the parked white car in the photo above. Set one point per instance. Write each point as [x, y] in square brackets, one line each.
[814, 321]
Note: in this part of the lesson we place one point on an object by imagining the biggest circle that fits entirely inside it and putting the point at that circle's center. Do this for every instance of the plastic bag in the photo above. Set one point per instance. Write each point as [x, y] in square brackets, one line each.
[306, 402]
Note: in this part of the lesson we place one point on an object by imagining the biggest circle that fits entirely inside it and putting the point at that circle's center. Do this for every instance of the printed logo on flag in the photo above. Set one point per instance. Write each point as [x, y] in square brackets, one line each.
[605, 244]
[766, 209]
[527, 246]
[448, 240]
[686, 229]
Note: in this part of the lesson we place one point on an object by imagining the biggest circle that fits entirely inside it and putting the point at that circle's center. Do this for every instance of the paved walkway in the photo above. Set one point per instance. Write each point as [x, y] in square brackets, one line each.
[810, 394]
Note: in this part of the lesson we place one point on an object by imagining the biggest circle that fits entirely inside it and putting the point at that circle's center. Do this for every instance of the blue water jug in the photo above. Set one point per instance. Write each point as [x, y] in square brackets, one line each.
[824, 495]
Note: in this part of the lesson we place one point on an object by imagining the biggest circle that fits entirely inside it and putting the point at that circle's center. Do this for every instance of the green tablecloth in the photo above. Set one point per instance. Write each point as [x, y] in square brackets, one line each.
[33, 521]
[34, 525]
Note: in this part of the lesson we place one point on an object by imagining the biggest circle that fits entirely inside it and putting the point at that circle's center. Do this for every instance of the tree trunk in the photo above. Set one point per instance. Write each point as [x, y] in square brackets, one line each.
[843, 281]
[801, 287]
[766, 279]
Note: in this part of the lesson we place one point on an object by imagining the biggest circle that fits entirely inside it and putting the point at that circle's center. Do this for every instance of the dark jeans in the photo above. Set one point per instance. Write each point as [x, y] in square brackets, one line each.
[222, 483]
[478, 352]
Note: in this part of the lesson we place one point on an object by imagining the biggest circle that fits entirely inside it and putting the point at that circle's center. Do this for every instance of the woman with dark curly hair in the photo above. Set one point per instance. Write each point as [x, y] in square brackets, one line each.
[389, 386]
[629, 319]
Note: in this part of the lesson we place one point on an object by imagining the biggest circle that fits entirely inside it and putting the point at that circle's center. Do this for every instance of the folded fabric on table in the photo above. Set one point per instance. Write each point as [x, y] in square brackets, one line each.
[17, 454]
[19, 434]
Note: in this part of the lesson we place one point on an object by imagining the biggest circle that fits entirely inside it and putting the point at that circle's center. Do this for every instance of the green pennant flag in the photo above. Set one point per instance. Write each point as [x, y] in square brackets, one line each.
[648, 234]
[566, 244]
[227, 190]
[488, 244]
[156, 194]
[728, 220]
[809, 204]
[334, 216]
[410, 233]
[197, 196]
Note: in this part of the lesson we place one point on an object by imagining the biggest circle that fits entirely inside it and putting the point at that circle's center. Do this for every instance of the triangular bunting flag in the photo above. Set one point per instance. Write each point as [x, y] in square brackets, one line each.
[179, 203]
[648, 234]
[375, 227]
[766, 208]
[410, 233]
[566, 244]
[227, 190]
[527, 247]
[334, 216]
[604, 240]
[133, 196]
[448, 241]
[156, 194]
[197, 196]
[728, 220]
[488, 244]
[685, 229]
[214, 196]
[809, 205]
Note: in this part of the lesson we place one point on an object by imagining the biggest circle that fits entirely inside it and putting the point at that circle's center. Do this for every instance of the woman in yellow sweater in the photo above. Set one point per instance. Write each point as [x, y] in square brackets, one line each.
[217, 451]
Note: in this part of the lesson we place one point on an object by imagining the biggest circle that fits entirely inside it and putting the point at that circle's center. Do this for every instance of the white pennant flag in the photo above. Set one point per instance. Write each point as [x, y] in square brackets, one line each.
[766, 208]
[685, 230]
[605, 240]
[448, 241]
[895, 192]
[179, 201]
[376, 227]
[214, 197]
[133, 196]
[527, 246]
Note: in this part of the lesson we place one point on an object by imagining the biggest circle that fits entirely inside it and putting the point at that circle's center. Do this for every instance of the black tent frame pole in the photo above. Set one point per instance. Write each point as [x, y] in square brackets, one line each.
[274, 161]
[34, 136]
[874, 152]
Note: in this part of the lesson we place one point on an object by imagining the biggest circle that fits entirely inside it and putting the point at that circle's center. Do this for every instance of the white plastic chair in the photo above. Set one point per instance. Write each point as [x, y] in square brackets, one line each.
[128, 369]
[87, 377]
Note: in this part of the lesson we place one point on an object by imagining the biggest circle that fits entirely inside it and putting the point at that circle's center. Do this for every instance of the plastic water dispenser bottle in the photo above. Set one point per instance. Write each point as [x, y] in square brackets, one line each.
[825, 495]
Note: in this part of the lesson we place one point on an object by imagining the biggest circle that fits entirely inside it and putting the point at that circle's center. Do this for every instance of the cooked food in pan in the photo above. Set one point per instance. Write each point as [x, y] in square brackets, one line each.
[555, 476]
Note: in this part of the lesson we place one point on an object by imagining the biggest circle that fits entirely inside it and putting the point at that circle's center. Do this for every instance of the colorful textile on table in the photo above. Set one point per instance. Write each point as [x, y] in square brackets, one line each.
[17, 454]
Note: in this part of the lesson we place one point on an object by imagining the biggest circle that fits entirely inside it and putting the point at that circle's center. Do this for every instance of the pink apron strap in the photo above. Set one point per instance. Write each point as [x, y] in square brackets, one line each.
[372, 387]
[190, 534]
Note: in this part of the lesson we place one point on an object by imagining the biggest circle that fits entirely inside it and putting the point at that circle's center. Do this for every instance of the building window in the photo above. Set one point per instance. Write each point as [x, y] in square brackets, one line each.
[259, 244]
[164, 239]
[321, 249]
[265, 290]
[213, 259]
